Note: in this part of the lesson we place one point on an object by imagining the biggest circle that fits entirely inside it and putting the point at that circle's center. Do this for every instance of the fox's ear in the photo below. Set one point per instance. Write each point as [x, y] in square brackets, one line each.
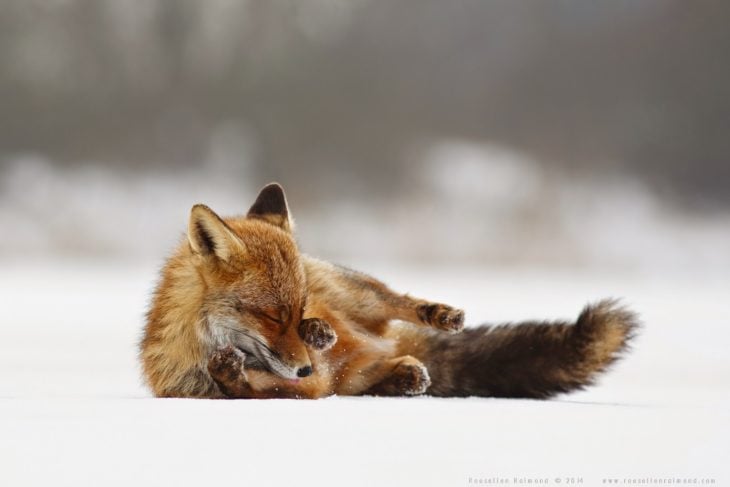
[209, 235]
[270, 205]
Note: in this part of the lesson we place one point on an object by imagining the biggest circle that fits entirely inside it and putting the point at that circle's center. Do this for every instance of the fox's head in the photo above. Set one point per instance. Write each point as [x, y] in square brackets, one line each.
[255, 288]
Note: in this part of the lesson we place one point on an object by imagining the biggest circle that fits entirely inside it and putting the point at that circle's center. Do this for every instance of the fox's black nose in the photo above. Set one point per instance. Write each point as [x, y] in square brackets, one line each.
[304, 371]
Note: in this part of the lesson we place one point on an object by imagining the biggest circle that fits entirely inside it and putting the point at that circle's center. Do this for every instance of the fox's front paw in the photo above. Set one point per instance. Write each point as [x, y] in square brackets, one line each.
[225, 365]
[441, 316]
[317, 333]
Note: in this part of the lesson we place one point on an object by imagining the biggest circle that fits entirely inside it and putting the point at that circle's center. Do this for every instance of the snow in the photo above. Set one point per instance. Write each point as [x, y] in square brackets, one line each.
[73, 410]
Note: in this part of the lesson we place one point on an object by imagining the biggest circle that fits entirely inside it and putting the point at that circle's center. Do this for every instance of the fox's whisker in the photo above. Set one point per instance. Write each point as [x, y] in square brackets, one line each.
[253, 338]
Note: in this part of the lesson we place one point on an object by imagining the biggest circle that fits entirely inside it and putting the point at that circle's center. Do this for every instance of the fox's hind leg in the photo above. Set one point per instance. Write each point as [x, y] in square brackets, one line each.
[400, 376]
[371, 303]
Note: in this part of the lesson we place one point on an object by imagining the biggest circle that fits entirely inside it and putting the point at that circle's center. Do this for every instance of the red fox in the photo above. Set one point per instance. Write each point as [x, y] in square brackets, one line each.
[239, 312]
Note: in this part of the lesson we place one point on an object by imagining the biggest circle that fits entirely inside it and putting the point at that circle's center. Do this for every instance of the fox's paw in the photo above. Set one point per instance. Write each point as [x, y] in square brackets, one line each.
[225, 365]
[407, 377]
[441, 316]
[411, 379]
[318, 334]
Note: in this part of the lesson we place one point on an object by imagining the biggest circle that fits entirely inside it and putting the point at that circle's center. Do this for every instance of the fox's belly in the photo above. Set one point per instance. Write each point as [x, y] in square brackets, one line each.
[351, 363]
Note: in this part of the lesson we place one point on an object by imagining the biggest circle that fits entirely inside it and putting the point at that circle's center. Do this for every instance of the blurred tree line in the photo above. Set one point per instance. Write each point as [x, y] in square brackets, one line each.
[328, 91]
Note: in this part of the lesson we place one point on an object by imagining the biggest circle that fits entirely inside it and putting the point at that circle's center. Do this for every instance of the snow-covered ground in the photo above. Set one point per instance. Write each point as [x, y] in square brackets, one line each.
[73, 410]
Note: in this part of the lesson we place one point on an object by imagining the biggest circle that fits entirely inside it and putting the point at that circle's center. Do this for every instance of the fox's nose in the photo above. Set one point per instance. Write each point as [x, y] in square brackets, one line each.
[304, 371]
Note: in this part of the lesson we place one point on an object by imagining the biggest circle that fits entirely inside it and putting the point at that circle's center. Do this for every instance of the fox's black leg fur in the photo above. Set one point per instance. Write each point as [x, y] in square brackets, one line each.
[225, 366]
[317, 333]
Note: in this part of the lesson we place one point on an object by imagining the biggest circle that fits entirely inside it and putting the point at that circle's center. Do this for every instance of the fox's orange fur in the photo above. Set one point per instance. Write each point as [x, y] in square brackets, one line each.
[240, 312]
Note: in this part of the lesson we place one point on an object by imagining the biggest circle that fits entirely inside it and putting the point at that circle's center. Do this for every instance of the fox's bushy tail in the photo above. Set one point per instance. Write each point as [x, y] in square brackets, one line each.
[531, 359]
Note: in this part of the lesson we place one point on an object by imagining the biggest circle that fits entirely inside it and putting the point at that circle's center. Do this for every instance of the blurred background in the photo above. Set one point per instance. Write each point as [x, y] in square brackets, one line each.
[497, 133]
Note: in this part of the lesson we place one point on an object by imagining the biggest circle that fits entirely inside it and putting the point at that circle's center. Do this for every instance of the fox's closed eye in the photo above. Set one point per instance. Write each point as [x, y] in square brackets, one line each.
[269, 316]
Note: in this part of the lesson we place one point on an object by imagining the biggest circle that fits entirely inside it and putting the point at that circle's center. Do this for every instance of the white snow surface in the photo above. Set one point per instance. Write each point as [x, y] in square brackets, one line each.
[74, 411]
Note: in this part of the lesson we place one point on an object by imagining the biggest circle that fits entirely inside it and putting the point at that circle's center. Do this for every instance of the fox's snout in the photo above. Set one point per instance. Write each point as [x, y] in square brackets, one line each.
[292, 357]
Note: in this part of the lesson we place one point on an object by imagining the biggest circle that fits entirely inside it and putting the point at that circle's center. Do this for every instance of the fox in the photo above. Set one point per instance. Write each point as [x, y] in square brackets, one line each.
[240, 313]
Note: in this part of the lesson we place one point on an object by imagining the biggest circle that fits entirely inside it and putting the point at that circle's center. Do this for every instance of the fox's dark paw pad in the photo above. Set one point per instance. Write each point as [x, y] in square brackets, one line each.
[441, 316]
[226, 364]
[316, 333]
[412, 379]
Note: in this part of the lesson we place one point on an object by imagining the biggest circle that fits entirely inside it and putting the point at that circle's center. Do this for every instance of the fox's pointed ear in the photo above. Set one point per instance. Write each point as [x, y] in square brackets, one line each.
[209, 235]
[270, 205]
